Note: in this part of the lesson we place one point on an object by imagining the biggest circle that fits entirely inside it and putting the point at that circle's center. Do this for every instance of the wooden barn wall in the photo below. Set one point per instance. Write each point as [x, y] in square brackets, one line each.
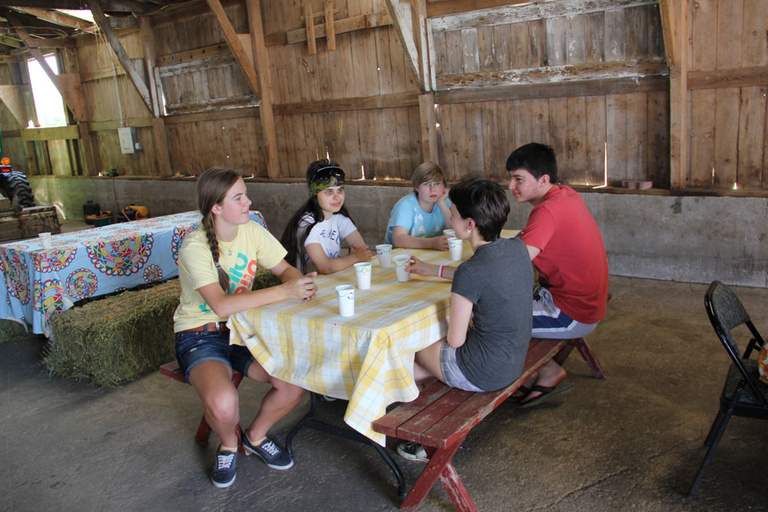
[625, 134]
[728, 122]
[113, 102]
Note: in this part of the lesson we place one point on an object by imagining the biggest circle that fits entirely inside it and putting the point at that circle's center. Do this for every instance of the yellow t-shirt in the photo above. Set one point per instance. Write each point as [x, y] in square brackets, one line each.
[252, 247]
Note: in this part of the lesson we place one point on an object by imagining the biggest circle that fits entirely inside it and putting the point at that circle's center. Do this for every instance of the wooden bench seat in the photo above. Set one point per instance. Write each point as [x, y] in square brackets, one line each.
[442, 417]
[173, 371]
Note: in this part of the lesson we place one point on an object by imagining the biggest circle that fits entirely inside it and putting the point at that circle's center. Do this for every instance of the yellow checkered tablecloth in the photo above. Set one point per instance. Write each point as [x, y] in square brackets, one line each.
[366, 359]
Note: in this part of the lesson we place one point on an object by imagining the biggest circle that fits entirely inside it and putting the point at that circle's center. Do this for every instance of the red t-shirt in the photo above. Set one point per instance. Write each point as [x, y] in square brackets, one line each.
[572, 263]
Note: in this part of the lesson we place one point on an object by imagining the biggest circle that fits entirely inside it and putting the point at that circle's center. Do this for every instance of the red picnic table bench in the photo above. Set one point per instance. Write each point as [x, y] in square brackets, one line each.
[442, 417]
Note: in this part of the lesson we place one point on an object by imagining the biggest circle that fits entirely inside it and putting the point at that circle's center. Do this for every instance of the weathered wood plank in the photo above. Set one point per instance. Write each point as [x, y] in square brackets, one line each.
[616, 126]
[703, 26]
[751, 135]
[729, 77]
[753, 50]
[575, 161]
[730, 20]
[595, 140]
[658, 138]
[702, 137]
[531, 11]
[558, 128]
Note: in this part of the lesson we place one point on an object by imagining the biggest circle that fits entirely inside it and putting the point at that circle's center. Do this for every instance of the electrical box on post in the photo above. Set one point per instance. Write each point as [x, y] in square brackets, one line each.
[128, 140]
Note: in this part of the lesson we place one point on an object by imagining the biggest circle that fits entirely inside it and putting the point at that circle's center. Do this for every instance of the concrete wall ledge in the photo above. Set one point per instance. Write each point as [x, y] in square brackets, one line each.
[686, 238]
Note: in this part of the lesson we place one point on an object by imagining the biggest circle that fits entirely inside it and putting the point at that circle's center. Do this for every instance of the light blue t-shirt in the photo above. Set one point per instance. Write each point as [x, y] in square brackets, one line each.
[408, 214]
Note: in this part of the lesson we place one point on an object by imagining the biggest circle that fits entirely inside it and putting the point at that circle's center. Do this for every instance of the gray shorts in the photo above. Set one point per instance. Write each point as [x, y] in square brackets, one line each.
[451, 372]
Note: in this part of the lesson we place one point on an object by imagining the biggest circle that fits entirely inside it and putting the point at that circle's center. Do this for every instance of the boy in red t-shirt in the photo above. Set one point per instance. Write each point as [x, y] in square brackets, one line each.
[565, 245]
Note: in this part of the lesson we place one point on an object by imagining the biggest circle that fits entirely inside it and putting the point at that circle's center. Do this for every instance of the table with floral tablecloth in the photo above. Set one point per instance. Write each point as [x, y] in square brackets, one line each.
[37, 282]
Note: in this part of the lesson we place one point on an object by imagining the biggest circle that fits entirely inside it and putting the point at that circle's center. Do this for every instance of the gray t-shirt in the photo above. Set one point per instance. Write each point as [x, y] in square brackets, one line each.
[498, 279]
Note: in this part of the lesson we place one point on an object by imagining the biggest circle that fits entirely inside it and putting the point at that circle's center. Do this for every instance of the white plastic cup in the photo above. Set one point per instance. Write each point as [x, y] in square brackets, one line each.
[400, 261]
[45, 240]
[456, 246]
[385, 255]
[449, 232]
[363, 272]
[346, 294]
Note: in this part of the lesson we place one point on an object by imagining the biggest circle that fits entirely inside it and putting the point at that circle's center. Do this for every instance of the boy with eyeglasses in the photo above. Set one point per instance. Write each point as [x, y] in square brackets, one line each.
[417, 220]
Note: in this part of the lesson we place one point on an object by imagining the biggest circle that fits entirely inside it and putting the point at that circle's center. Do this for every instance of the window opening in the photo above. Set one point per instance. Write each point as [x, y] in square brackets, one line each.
[49, 105]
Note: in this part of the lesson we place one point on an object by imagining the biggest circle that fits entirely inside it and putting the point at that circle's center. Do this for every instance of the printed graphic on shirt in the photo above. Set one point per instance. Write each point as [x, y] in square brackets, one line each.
[240, 277]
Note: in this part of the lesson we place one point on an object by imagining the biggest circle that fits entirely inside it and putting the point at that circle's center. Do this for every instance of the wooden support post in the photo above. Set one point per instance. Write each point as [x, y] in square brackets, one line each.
[261, 60]
[429, 148]
[309, 20]
[675, 20]
[330, 27]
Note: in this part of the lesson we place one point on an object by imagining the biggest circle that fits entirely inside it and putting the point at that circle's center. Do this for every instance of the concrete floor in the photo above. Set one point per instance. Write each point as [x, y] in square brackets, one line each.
[631, 442]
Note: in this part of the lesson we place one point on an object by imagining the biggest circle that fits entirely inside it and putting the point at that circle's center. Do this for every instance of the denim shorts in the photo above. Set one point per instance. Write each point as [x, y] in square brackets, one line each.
[195, 347]
[451, 372]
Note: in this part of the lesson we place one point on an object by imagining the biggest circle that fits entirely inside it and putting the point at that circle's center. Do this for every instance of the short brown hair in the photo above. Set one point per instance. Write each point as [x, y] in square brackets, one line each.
[428, 171]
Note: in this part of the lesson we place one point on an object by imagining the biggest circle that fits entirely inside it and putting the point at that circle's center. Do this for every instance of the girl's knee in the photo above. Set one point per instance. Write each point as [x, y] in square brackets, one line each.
[223, 407]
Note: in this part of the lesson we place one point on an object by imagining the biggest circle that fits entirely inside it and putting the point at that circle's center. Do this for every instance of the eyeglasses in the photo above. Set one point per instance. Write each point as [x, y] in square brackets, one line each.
[431, 184]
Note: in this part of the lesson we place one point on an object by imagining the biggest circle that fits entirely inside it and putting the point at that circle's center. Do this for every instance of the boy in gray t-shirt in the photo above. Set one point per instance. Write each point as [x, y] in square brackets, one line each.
[491, 302]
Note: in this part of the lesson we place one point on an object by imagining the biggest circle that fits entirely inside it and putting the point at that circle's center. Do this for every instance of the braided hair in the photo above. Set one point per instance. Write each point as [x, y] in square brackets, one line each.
[211, 188]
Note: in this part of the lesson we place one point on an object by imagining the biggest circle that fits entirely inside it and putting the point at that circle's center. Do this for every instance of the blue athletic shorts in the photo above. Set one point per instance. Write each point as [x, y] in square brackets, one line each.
[451, 372]
[550, 322]
[195, 347]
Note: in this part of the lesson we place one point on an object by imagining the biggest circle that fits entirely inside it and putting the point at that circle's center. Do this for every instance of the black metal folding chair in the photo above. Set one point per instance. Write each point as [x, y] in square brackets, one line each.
[743, 393]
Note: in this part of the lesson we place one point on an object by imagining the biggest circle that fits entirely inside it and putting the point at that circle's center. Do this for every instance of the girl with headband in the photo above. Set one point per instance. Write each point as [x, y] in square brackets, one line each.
[316, 230]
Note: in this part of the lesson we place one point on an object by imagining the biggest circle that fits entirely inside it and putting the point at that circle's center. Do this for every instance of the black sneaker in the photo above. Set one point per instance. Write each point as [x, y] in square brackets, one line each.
[410, 450]
[224, 470]
[272, 455]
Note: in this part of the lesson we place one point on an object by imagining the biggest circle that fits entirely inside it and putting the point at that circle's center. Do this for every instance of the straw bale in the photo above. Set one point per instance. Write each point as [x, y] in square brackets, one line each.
[11, 331]
[119, 338]
[116, 339]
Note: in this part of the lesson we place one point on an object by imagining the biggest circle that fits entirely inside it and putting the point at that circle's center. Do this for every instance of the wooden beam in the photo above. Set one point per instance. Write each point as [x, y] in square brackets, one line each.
[125, 61]
[12, 96]
[675, 26]
[330, 27]
[351, 24]
[721, 78]
[37, 42]
[570, 89]
[56, 133]
[423, 42]
[261, 60]
[59, 18]
[192, 55]
[550, 74]
[309, 22]
[398, 100]
[460, 6]
[402, 19]
[530, 11]
[246, 63]
[10, 41]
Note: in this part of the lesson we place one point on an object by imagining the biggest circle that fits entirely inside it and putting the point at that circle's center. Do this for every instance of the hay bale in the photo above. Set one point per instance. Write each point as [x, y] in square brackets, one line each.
[11, 331]
[119, 338]
[116, 339]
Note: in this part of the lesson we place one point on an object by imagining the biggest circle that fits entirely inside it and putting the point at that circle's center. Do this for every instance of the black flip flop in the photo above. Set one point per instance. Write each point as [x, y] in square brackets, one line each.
[547, 393]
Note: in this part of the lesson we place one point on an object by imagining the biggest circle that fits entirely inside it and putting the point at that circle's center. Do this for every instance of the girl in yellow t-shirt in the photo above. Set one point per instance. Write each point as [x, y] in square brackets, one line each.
[216, 269]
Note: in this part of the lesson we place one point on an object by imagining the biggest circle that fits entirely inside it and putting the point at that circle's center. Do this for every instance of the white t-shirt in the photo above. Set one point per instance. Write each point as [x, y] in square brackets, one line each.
[328, 233]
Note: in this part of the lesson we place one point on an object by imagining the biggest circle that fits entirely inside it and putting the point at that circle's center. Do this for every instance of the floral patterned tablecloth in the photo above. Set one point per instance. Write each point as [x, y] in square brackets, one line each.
[37, 283]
